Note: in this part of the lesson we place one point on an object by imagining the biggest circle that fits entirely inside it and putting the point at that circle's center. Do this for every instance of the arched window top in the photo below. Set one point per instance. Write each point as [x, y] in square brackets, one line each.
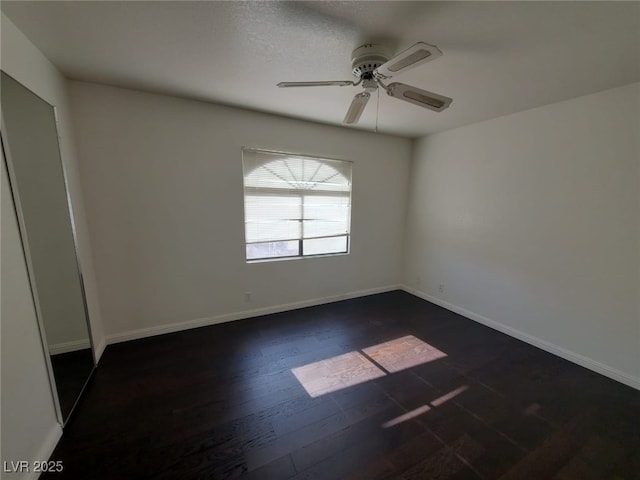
[265, 170]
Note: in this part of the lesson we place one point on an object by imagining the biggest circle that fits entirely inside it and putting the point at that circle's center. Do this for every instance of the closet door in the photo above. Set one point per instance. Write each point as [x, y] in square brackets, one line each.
[38, 186]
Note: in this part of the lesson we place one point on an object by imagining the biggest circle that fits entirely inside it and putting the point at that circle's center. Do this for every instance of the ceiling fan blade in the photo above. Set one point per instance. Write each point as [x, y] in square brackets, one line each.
[337, 83]
[412, 57]
[419, 97]
[356, 108]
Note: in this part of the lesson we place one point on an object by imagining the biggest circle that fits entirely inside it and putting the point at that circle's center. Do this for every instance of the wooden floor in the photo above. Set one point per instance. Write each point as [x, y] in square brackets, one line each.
[71, 371]
[222, 402]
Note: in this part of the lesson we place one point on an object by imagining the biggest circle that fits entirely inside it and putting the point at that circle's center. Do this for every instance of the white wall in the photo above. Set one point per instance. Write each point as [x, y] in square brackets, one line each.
[532, 224]
[164, 195]
[29, 425]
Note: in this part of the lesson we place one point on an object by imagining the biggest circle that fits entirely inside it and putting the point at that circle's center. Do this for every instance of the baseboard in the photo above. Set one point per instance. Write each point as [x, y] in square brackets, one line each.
[204, 322]
[574, 357]
[99, 350]
[46, 449]
[67, 347]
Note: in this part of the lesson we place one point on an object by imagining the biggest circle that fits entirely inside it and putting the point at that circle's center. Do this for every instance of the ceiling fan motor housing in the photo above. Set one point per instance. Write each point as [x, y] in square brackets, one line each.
[366, 58]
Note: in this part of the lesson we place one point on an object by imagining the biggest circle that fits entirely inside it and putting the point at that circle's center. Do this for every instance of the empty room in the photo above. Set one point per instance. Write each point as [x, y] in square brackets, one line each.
[320, 240]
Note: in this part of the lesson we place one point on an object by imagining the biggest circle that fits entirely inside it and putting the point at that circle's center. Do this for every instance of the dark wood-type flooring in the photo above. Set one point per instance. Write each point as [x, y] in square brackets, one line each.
[221, 402]
[71, 371]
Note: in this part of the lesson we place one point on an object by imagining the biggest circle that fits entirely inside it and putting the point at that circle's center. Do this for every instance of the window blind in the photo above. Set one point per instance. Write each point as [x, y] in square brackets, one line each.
[297, 199]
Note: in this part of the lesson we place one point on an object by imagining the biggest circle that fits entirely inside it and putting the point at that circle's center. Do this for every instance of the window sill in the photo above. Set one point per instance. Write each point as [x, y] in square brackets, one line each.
[303, 257]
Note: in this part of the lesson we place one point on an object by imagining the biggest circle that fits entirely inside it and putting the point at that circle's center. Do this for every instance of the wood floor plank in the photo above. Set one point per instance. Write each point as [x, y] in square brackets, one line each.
[222, 402]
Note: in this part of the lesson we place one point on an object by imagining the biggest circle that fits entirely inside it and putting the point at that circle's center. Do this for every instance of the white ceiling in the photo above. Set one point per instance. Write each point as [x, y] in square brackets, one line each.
[499, 57]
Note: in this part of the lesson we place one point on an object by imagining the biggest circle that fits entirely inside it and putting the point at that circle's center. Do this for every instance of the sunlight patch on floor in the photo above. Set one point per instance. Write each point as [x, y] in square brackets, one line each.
[402, 353]
[407, 416]
[336, 373]
[352, 368]
[425, 408]
[448, 396]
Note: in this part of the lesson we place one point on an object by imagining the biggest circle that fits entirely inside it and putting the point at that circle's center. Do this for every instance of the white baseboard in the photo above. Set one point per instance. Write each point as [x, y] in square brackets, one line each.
[67, 347]
[99, 349]
[574, 357]
[228, 317]
[46, 449]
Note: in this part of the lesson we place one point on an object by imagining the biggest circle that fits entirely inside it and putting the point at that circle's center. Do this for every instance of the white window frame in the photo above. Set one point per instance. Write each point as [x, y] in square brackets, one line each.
[302, 193]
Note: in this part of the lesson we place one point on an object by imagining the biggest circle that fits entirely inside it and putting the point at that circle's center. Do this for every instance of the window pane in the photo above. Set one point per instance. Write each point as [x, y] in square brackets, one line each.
[272, 230]
[319, 246]
[281, 207]
[325, 216]
[324, 228]
[257, 251]
[325, 207]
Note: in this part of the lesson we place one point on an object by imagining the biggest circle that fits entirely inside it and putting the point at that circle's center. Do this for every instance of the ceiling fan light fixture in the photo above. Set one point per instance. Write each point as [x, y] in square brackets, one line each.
[420, 97]
[356, 108]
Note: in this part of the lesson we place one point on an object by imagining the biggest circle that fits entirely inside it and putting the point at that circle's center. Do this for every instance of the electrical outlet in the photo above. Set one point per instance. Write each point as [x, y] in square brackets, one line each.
[441, 288]
[418, 280]
[247, 296]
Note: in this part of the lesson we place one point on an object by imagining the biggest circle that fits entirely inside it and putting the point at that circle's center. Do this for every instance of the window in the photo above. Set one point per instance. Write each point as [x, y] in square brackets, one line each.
[294, 205]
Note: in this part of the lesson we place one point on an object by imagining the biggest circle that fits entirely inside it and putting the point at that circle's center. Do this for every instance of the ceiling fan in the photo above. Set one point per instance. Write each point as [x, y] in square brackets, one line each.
[371, 65]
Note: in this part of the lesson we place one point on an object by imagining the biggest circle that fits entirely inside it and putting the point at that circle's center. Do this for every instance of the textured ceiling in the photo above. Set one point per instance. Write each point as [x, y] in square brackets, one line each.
[499, 57]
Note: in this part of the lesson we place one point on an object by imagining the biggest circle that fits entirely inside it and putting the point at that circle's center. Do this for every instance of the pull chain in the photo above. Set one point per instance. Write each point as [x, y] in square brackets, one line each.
[377, 109]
